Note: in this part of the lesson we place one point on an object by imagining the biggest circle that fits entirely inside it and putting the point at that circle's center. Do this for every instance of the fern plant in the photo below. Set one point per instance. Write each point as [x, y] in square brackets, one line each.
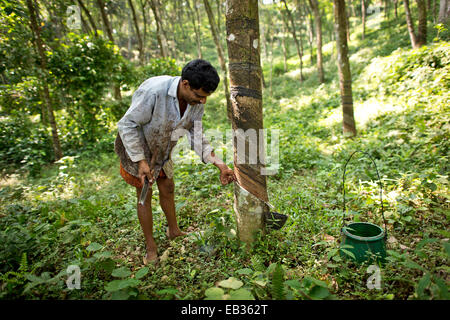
[278, 292]
[15, 280]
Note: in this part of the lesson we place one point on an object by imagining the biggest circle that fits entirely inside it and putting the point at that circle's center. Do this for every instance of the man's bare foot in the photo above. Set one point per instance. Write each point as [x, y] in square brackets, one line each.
[172, 234]
[151, 257]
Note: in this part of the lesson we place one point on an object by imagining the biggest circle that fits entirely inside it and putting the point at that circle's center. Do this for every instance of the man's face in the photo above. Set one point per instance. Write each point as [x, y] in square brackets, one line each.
[194, 96]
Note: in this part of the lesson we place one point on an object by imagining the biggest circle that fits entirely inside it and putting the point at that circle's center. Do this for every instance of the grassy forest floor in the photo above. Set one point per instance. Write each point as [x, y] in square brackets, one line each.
[80, 212]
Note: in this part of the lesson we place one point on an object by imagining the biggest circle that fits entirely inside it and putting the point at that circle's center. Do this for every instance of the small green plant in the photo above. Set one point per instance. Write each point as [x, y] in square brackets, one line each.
[310, 289]
[126, 286]
[277, 288]
[232, 290]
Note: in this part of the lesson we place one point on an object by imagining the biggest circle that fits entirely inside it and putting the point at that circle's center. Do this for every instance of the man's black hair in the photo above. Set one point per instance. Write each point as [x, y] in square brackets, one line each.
[201, 74]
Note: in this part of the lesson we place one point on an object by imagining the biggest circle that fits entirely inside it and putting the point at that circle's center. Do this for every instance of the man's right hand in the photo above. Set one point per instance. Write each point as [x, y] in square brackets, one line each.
[145, 171]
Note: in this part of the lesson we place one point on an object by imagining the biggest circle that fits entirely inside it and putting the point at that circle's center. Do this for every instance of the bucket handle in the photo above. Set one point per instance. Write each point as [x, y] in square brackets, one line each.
[380, 183]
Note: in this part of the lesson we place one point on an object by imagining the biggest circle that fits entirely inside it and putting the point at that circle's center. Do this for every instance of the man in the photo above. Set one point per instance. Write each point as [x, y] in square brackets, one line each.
[161, 107]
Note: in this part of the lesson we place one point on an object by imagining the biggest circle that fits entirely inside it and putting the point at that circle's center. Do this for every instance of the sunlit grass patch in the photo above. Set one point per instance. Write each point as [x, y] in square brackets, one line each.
[364, 112]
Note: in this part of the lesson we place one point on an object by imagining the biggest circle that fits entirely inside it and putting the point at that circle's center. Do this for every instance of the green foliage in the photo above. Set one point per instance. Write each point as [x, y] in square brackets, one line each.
[15, 57]
[233, 291]
[125, 287]
[430, 285]
[256, 285]
[82, 70]
[24, 145]
[416, 74]
[156, 67]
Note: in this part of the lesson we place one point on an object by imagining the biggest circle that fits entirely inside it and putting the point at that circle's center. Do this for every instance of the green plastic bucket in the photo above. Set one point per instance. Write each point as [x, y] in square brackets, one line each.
[363, 241]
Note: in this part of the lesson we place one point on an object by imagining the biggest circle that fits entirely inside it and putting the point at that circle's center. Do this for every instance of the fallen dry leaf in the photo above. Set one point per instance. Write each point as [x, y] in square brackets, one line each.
[165, 255]
[392, 239]
[404, 247]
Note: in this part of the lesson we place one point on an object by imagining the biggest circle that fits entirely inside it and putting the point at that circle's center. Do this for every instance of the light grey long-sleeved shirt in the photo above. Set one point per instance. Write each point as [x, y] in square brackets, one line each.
[152, 125]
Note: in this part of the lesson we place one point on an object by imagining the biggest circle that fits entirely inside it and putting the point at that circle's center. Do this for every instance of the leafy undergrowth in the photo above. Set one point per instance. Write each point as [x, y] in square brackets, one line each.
[80, 213]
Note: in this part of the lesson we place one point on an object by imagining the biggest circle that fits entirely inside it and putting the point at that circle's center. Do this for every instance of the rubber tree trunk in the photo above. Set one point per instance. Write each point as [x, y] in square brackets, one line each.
[198, 19]
[242, 25]
[223, 65]
[302, 16]
[89, 16]
[286, 52]
[444, 11]
[144, 35]
[130, 54]
[85, 27]
[101, 6]
[345, 77]
[395, 8]
[219, 15]
[138, 33]
[162, 41]
[179, 12]
[318, 23]
[47, 100]
[421, 38]
[363, 16]
[294, 35]
[310, 19]
[196, 30]
[283, 44]
[410, 24]
[168, 28]
[105, 19]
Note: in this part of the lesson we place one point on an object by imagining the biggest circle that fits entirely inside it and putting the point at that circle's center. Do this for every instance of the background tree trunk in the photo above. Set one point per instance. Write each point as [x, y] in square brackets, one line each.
[395, 8]
[242, 24]
[345, 77]
[421, 38]
[223, 65]
[105, 19]
[294, 35]
[85, 26]
[198, 21]
[138, 33]
[100, 4]
[363, 15]
[143, 7]
[284, 46]
[410, 24]
[386, 9]
[34, 24]
[130, 31]
[311, 35]
[167, 27]
[444, 11]
[162, 41]
[196, 31]
[318, 23]
[199, 30]
[89, 16]
[179, 10]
